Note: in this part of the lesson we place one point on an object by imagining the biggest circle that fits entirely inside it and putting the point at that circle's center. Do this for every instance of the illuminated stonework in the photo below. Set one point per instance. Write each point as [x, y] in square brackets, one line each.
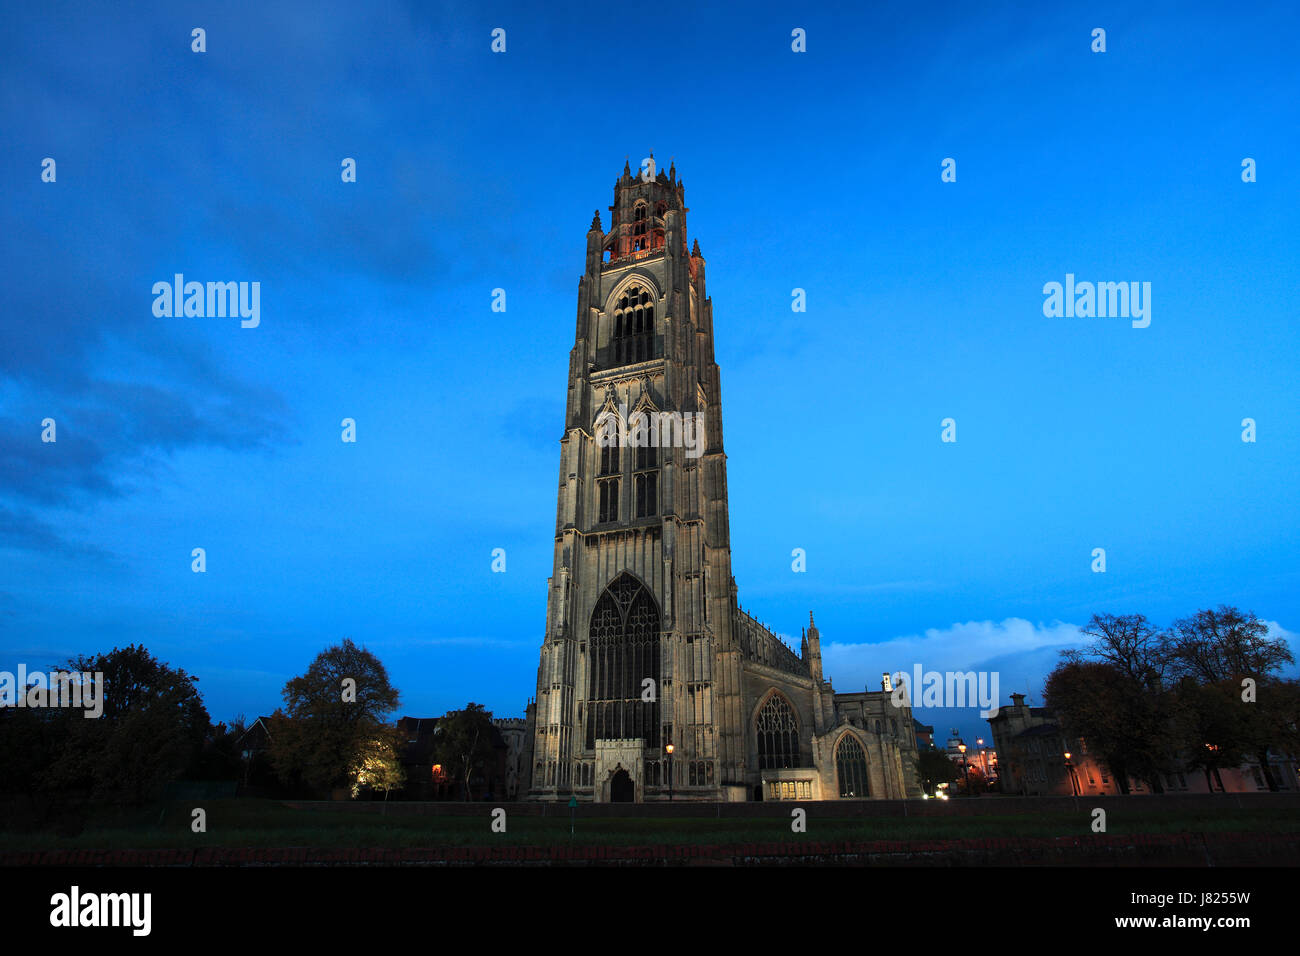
[645, 643]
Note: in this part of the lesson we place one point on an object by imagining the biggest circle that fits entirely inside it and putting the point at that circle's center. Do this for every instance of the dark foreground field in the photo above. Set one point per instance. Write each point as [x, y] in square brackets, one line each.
[1232, 830]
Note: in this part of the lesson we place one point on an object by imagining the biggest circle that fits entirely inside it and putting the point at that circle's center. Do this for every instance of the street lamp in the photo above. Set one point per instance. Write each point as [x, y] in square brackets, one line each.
[1069, 768]
[965, 778]
[669, 751]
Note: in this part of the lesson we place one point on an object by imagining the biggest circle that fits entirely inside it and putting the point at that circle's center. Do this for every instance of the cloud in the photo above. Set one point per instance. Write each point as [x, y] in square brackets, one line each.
[1021, 652]
[1019, 649]
[21, 530]
[114, 438]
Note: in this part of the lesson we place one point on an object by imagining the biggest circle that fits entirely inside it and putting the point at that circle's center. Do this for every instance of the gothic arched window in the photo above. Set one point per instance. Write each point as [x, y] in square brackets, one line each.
[778, 735]
[624, 651]
[609, 454]
[647, 456]
[634, 327]
[607, 492]
[851, 767]
[647, 494]
[645, 478]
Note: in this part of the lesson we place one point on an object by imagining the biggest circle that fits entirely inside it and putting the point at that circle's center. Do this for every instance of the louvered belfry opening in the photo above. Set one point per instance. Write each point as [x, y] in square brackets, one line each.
[624, 650]
[634, 327]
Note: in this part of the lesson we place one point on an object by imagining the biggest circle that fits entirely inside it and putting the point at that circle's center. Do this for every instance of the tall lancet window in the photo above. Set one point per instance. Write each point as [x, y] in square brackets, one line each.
[778, 735]
[851, 768]
[623, 652]
[608, 504]
[634, 327]
[609, 477]
[645, 476]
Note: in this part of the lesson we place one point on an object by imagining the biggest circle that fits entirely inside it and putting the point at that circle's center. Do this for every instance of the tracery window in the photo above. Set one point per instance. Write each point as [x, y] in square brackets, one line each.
[610, 454]
[624, 652]
[851, 768]
[634, 327]
[608, 494]
[647, 456]
[646, 462]
[778, 735]
[647, 494]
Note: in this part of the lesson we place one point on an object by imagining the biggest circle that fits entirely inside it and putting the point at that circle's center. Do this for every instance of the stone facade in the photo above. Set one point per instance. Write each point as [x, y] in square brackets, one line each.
[645, 644]
[517, 733]
[1032, 748]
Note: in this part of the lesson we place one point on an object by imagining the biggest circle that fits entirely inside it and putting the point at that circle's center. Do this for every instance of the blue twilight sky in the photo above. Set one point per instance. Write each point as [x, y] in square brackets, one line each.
[816, 170]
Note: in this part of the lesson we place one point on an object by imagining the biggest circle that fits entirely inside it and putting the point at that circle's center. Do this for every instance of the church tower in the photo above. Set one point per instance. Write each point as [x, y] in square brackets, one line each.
[639, 653]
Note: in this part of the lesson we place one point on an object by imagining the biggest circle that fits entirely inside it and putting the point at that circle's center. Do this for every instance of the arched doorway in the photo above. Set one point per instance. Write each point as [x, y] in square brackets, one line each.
[621, 788]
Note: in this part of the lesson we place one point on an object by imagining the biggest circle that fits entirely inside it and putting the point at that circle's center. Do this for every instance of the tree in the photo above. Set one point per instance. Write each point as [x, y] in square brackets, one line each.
[974, 781]
[1126, 724]
[332, 716]
[30, 741]
[378, 764]
[218, 759]
[1212, 725]
[934, 768]
[1222, 650]
[1129, 643]
[1222, 645]
[463, 744]
[151, 730]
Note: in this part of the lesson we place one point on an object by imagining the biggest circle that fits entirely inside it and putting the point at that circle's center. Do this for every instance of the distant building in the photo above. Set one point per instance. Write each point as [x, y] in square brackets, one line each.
[1034, 762]
[428, 779]
[256, 739]
[981, 758]
[517, 732]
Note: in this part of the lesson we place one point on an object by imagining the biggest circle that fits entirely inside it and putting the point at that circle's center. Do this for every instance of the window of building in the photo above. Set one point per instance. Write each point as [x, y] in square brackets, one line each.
[790, 790]
[609, 457]
[608, 493]
[778, 735]
[647, 494]
[634, 327]
[851, 767]
[624, 640]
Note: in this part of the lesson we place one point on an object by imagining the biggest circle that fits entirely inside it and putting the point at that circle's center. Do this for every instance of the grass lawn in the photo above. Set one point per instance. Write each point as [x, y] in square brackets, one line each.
[268, 823]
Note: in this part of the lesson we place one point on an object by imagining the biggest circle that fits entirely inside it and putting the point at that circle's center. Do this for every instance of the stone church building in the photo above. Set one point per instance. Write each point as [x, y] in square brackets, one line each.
[653, 683]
